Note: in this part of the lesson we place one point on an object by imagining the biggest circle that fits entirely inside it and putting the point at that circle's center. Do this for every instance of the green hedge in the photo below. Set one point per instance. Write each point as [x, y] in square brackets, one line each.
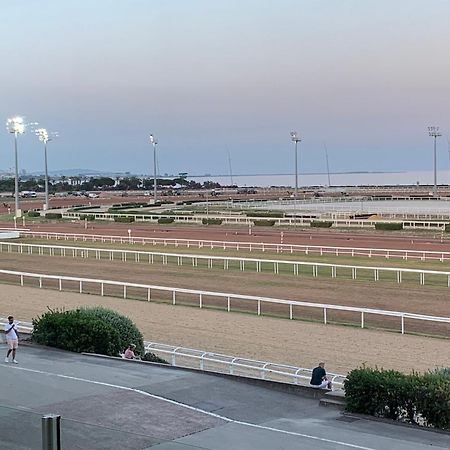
[321, 224]
[53, 216]
[123, 219]
[389, 226]
[93, 330]
[166, 220]
[34, 214]
[88, 217]
[447, 228]
[415, 398]
[83, 208]
[264, 214]
[149, 356]
[211, 221]
[264, 223]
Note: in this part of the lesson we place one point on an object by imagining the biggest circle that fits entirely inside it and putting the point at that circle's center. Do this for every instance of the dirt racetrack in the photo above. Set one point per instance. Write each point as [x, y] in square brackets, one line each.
[376, 295]
[277, 340]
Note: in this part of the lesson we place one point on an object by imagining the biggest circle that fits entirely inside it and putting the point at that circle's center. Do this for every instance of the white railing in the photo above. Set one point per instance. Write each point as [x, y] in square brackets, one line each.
[233, 365]
[215, 362]
[278, 221]
[229, 299]
[321, 250]
[276, 266]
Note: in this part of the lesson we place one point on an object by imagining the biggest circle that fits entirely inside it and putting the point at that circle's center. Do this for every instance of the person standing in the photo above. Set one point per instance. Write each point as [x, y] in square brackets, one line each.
[12, 339]
[319, 378]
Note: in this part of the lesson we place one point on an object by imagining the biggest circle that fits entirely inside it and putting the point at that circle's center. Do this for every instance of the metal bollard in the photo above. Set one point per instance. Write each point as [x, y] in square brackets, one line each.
[51, 432]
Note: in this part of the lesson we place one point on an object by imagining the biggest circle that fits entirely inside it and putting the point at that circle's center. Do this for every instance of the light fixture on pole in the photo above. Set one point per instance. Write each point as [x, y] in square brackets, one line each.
[154, 142]
[45, 137]
[296, 139]
[434, 133]
[16, 126]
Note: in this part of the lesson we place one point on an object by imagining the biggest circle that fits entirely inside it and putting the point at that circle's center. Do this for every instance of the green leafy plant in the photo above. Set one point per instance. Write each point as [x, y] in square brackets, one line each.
[34, 214]
[206, 221]
[53, 216]
[414, 398]
[123, 219]
[93, 330]
[392, 226]
[264, 223]
[166, 220]
[321, 224]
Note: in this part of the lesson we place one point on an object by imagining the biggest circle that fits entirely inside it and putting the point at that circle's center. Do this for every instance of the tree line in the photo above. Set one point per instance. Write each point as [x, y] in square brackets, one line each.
[64, 184]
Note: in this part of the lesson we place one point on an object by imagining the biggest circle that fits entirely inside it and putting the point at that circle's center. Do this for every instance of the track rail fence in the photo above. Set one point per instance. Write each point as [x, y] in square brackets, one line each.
[216, 362]
[228, 301]
[321, 250]
[275, 266]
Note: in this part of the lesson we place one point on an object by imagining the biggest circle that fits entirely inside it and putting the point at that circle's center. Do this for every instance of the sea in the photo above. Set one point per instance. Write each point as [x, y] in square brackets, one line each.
[404, 178]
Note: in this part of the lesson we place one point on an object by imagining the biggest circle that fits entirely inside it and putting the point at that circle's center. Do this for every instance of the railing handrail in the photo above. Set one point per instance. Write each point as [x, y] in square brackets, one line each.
[212, 357]
[235, 296]
[229, 258]
[243, 244]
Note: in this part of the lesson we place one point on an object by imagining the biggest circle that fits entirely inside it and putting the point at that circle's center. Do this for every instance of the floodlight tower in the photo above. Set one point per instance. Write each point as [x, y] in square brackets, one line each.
[154, 142]
[434, 133]
[296, 139]
[15, 125]
[45, 138]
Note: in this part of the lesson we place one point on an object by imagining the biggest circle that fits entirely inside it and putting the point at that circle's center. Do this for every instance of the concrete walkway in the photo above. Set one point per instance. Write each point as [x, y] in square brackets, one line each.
[109, 404]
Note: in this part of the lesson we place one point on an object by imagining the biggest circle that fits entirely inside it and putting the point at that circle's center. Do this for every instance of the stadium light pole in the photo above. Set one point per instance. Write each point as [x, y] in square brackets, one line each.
[15, 125]
[45, 138]
[434, 133]
[154, 142]
[296, 139]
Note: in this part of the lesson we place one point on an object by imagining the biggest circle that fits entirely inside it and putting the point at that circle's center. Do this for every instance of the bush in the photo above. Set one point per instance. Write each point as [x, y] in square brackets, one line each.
[166, 220]
[211, 221]
[264, 223]
[83, 208]
[34, 214]
[420, 399]
[93, 330]
[53, 216]
[123, 219]
[389, 226]
[87, 217]
[321, 224]
[149, 356]
[264, 214]
[447, 228]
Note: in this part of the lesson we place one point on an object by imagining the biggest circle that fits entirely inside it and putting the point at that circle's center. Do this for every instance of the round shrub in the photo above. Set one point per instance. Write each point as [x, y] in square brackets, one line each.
[264, 223]
[123, 219]
[34, 214]
[321, 224]
[93, 330]
[149, 356]
[206, 221]
[53, 216]
[166, 220]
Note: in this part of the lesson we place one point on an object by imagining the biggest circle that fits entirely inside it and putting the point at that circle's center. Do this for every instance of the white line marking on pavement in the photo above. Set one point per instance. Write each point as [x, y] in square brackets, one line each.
[192, 408]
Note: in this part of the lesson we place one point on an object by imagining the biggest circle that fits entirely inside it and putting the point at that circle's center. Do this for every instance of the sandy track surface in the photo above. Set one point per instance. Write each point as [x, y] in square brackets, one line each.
[277, 340]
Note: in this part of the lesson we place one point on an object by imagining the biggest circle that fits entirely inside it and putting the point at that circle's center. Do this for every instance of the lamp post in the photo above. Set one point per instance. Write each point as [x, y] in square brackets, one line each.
[45, 137]
[16, 126]
[296, 139]
[154, 142]
[434, 133]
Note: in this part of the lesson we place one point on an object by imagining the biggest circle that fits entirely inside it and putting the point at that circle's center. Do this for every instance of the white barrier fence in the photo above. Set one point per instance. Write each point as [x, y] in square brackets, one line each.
[229, 300]
[249, 221]
[232, 365]
[321, 250]
[275, 266]
[219, 363]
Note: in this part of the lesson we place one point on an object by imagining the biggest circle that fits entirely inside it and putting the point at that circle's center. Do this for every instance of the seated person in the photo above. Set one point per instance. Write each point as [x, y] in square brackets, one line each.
[129, 352]
[319, 378]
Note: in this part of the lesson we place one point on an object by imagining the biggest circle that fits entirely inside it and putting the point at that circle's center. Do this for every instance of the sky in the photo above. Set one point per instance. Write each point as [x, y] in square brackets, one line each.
[212, 78]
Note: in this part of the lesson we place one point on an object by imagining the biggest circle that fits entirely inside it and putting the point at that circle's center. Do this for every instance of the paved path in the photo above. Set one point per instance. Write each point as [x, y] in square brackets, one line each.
[109, 404]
